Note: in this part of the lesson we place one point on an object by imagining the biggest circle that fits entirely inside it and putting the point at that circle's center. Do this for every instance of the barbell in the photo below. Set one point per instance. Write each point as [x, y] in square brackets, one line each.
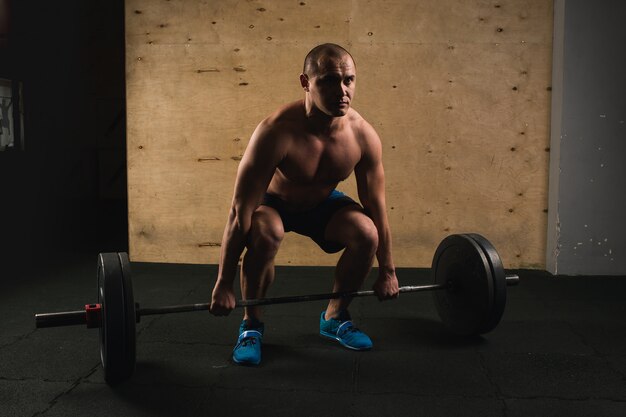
[468, 284]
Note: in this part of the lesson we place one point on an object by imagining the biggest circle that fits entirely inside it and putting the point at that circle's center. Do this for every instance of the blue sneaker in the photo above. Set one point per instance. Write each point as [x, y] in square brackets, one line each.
[344, 332]
[248, 348]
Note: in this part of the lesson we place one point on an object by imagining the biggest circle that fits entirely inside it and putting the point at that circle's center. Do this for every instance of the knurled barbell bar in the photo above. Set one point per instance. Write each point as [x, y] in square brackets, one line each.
[469, 288]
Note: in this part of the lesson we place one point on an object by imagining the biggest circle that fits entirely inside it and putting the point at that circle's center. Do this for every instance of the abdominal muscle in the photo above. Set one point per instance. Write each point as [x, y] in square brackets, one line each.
[299, 196]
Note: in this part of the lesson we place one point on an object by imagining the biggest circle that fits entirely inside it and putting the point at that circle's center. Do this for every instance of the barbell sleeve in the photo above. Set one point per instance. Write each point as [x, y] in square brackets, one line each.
[63, 318]
[512, 280]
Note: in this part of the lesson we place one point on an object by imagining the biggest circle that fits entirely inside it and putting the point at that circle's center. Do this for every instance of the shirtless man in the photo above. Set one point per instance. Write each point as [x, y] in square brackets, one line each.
[286, 182]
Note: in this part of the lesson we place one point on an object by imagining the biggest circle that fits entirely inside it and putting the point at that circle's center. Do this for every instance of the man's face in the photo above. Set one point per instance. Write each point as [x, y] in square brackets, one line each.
[332, 86]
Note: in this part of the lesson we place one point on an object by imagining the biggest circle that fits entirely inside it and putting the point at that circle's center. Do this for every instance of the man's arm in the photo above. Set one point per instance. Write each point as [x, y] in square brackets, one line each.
[370, 177]
[255, 172]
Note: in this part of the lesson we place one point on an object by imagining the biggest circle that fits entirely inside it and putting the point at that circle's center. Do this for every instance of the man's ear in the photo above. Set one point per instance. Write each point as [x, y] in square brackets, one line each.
[304, 82]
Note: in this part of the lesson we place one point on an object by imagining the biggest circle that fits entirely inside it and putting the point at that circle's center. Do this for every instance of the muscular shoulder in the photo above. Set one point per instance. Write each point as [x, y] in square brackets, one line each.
[365, 133]
[274, 131]
[271, 139]
[284, 118]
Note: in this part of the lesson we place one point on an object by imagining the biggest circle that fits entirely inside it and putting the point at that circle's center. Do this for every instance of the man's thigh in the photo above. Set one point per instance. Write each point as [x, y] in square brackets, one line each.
[350, 224]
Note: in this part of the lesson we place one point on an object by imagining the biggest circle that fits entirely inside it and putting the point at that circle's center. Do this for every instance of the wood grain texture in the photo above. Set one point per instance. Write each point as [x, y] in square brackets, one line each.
[459, 92]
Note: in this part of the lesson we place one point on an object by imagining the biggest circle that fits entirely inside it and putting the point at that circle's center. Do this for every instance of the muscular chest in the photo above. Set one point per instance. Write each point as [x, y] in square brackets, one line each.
[325, 161]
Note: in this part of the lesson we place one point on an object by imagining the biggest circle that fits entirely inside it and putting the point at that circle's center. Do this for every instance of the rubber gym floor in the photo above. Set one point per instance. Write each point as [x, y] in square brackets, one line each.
[560, 350]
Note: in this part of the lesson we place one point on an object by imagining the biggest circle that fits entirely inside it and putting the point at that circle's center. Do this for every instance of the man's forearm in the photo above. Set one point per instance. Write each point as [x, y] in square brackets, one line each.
[383, 253]
[233, 244]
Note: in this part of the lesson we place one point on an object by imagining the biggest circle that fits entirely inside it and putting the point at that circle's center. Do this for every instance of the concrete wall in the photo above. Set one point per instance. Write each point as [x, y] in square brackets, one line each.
[458, 90]
[587, 227]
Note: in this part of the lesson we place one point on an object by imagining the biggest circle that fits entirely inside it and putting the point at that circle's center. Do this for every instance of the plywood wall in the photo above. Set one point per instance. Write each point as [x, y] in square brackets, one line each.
[458, 90]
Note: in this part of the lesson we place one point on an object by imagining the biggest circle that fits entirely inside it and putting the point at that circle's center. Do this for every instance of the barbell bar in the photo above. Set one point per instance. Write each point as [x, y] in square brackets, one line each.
[469, 290]
[86, 315]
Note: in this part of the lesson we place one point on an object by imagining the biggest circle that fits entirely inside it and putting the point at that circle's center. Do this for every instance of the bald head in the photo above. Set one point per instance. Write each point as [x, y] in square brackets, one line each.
[319, 54]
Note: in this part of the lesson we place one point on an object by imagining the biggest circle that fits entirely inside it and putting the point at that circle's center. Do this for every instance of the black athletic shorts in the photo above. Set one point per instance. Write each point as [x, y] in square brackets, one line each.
[312, 222]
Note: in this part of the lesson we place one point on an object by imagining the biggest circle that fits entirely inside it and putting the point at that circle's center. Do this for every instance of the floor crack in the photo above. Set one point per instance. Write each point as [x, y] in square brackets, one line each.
[584, 341]
[499, 396]
[18, 339]
[72, 387]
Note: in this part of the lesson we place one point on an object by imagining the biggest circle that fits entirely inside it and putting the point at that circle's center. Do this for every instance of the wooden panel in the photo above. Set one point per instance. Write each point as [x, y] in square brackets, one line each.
[458, 90]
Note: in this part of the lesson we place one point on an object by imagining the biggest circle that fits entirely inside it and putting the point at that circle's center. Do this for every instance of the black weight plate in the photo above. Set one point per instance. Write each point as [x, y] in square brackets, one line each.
[117, 332]
[460, 263]
[131, 316]
[499, 282]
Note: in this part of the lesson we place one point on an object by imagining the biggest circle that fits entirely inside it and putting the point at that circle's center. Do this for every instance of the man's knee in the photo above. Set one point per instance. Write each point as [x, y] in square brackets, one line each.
[265, 239]
[365, 238]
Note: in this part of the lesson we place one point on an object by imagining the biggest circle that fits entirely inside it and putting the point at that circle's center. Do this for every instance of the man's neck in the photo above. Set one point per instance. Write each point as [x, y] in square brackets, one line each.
[321, 121]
